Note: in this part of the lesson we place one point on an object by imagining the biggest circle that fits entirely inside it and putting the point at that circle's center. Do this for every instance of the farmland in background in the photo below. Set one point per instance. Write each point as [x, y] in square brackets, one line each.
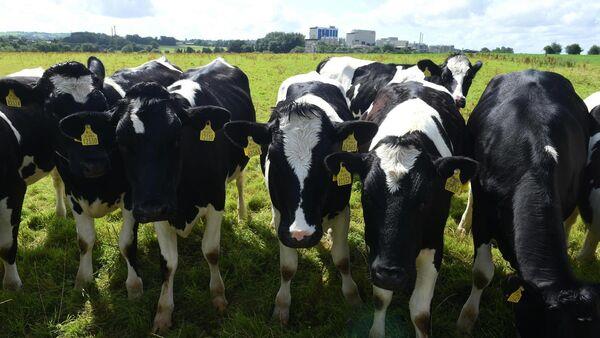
[48, 253]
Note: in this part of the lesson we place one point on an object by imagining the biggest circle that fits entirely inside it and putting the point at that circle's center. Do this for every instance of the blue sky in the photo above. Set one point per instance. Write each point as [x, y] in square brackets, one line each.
[526, 25]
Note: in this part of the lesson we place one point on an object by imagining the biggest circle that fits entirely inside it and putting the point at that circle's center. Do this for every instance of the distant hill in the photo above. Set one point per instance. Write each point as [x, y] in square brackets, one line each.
[36, 35]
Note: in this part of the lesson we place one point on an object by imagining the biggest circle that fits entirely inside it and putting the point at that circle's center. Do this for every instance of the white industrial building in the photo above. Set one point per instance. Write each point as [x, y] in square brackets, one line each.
[360, 38]
[392, 41]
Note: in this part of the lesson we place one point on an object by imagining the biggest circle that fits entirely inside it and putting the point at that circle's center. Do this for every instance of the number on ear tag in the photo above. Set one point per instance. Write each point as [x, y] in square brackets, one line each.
[453, 183]
[252, 149]
[207, 134]
[350, 144]
[89, 138]
[343, 177]
[427, 72]
[515, 297]
[12, 100]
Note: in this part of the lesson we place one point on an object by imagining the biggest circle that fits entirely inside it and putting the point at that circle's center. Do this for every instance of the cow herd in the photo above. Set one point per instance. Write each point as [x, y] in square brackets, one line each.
[161, 144]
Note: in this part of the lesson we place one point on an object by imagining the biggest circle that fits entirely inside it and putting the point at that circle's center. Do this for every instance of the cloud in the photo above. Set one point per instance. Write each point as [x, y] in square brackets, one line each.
[125, 8]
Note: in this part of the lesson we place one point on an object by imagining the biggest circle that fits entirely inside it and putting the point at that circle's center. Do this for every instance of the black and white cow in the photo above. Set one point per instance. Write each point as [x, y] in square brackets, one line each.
[421, 141]
[28, 156]
[362, 79]
[310, 121]
[176, 175]
[531, 134]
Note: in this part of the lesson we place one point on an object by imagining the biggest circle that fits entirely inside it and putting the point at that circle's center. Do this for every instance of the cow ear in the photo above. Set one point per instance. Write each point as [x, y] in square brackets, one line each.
[476, 67]
[71, 126]
[356, 163]
[429, 68]
[97, 67]
[447, 165]
[239, 131]
[200, 116]
[363, 131]
[16, 94]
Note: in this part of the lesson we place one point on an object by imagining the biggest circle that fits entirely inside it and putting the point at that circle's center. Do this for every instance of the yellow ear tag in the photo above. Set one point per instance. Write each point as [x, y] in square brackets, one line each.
[252, 149]
[343, 177]
[515, 297]
[453, 183]
[350, 144]
[207, 134]
[89, 138]
[12, 100]
[427, 72]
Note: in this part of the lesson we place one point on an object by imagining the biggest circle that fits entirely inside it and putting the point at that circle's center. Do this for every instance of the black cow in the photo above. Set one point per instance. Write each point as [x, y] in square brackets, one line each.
[531, 134]
[311, 120]
[28, 156]
[417, 151]
[178, 162]
[362, 79]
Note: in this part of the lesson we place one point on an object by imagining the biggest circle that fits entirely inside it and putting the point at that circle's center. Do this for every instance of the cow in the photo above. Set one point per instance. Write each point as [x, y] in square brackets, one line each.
[310, 121]
[178, 162]
[362, 79]
[28, 157]
[415, 162]
[531, 134]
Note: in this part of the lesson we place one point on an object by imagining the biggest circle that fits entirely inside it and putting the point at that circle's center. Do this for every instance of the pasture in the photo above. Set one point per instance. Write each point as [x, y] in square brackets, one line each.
[48, 254]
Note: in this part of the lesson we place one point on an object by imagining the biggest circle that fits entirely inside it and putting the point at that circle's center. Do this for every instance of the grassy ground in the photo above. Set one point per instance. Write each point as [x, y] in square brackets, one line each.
[48, 254]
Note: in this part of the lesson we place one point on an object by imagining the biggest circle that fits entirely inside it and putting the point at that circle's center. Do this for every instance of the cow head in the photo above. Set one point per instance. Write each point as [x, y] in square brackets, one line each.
[295, 142]
[405, 203]
[153, 131]
[456, 74]
[570, 312]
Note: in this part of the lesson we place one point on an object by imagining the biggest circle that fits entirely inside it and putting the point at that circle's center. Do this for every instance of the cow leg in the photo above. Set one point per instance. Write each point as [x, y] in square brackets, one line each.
[275, 217]
[288, 264]
[9, 231]
[340, 253]
[568, 224]
[128, 248]
[382, 299]
[239, 183]
[59, 189]
[167, 240]
[420, 300]
[467, 218]
[86, 236]
[211, 248]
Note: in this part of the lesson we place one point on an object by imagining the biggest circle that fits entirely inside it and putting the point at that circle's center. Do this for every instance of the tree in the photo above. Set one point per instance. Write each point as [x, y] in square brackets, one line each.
[206, 50]
[235, 46]
[218, 50]
[485, 50]
[553, 48]
[594, 50]
[167, 41]
[189, 50]
[127, 48]
[574, 49]
[279, 42]
[387, 49]
[505, 50]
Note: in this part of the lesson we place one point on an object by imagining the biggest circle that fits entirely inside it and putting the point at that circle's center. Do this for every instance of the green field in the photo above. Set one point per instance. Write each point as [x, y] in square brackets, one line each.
[48, 253]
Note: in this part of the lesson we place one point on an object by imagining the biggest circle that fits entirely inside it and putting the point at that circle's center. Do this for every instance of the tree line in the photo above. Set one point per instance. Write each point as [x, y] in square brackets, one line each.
[572, 49]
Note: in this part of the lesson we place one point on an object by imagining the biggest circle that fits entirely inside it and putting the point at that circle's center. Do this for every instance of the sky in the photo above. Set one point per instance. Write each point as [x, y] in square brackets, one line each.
[525, 25]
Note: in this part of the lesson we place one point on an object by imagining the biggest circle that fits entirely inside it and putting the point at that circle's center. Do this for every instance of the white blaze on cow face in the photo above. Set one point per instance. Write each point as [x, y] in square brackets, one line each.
[187, 89]
[134, 107]
[459, 67]
[396, 161]
[78, 87]
[115, 86]
[300, 136]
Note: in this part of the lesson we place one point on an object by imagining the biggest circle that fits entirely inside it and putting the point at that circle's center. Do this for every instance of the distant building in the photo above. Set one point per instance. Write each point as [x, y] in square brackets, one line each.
[392, 41]
[418, 47]
[360, 38]
[310, 45]
[319, 33]
[441, 49]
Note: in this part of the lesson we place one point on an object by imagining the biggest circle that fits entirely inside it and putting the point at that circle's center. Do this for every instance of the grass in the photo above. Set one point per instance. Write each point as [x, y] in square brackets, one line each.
[48, 254]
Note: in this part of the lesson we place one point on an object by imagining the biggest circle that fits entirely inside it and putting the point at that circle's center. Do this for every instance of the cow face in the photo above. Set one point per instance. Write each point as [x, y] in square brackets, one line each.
[152, 127]
[88, 140]
[296, 141]
[456, 74]
[405, 204]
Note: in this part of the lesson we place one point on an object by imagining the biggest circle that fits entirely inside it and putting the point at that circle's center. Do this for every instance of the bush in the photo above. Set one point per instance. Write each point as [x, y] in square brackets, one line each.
[594, 50]
[218, 50]
[553, 48]
[206, 50]
[574, 49]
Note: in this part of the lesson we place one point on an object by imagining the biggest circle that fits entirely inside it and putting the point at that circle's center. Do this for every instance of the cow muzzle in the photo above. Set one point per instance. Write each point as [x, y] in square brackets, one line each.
[390, 277]
[153, 212]
[94, 168]
[460, 101]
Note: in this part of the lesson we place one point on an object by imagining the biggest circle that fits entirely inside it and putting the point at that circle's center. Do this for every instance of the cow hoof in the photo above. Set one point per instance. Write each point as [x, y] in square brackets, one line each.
[162, 322]
[82, 281]
[12, 284]
[466, 320]
[376, 333]
[462, 232]
[282, 315]
[242, 214]
[586, 257]
[135, 289]
[220, 303]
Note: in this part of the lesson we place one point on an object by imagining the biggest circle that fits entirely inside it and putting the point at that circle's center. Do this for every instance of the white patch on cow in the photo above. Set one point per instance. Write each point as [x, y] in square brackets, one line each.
[78, 87]
[15, 131]
[5, 226]
[420, 300]
[308, 77]
[459, 67]
[217, 60]
[341, 69]
[28, 72]
[300, 136]
[413, 115]
[324, 105]
[593, 140]
[396, 161]
[552, 151]
[592, 101]
[115, 86]
[188, 90]
[275, 214]
[409, 74]
[384, 298]
[97, 208]
[37, 173]
[134, 107]
[356, 88]
[163, 61]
